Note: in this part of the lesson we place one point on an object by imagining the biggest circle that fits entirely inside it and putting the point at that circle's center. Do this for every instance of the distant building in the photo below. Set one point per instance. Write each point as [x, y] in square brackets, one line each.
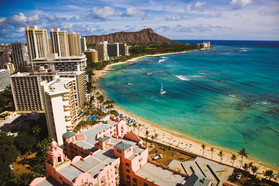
[20, 56]
[9, 66]
[5, 47]
[206, 45]
[102, 49]
[59, 42]
[83, 44]
[37, 42]
[91, 55]
[74, 44]
[113, 49]
[123, 49]
[4, 58]
[26, 90]
[4, 79]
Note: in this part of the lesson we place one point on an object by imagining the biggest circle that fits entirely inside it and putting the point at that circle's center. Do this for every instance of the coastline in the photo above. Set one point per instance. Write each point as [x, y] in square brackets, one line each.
[173, 138]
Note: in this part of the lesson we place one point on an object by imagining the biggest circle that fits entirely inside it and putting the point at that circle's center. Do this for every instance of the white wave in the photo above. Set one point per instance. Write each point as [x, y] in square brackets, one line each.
[149, 73]
[161, 60]
[182, 77]
[130, 84]
[232, 95]
[164, 57]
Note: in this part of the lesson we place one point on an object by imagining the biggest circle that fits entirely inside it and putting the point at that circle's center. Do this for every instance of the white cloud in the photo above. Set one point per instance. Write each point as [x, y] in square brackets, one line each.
[74, 7]
[103, 13]
[240, 3]
[188, 7]
[174, 17]
[131, 11]
[20, 29]
[199, 4]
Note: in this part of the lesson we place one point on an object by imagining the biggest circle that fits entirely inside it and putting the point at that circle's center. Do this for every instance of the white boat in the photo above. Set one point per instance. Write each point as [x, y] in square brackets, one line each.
[162, 90]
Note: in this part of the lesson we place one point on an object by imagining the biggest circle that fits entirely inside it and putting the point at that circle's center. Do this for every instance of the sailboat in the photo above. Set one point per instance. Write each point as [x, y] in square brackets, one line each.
[162, 90]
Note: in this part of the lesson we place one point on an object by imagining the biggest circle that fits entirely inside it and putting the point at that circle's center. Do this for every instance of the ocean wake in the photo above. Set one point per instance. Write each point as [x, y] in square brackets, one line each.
[182, 77]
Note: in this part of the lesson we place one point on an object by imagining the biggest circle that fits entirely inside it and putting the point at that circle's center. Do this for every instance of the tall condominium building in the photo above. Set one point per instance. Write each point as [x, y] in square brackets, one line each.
[113, 49]
[102, 49]
[59, 42]
[26, 90]
[74, 44]
[37, 42]
[61, 98]
[4, 79]
[80, 84]
[91, 55]
[20, 56]
[83, 44]
[62, 64]
[123, 49]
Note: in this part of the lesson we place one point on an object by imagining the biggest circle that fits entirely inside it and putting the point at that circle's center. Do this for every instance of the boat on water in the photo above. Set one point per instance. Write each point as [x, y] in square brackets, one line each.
[162, 91]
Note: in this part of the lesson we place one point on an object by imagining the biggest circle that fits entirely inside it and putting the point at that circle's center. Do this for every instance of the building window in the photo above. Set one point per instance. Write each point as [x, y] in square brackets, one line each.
[145, 184]
[128, 150]
[119, 151]
[127, 164]
[135, 180]
[128, 177]
[127, 170]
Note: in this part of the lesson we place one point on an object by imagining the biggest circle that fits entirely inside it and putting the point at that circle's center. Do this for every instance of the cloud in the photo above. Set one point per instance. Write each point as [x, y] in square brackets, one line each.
[174, 17]
[264, 13]
[102, 13]
[131, 11]
[199, 4]
[188, 8]
[74, 7]
[238, 4]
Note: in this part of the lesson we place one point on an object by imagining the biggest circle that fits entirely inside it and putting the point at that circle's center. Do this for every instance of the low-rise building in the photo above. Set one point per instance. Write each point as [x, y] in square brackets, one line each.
[5, 79]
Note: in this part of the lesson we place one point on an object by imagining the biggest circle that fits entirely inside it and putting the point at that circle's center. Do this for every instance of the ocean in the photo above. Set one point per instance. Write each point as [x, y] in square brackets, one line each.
[227, 96]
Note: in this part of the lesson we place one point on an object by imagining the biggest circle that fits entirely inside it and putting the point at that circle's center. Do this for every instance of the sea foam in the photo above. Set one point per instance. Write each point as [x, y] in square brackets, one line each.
[182, 77]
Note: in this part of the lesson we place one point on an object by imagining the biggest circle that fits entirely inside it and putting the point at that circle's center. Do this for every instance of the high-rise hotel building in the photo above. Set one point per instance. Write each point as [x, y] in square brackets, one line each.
[74, 44]
[63, 99]
[59, 42]
[37, 42]
[27, 94]
[20, 56]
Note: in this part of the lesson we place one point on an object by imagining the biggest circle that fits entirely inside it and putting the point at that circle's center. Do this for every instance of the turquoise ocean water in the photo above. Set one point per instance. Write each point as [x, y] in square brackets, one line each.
[227, 96]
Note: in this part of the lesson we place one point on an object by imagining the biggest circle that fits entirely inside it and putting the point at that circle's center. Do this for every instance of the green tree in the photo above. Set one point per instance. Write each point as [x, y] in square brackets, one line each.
[255, 169]
[36, 130]
[25, 142]
[203, 148]
[233, 158]
[212, 150]
[8, 154]
[146, 133]
[269, 173]
[221, 154]
[243, 154]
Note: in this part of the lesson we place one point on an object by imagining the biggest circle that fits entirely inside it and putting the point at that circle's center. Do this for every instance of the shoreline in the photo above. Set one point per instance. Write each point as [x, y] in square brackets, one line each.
[177, 139]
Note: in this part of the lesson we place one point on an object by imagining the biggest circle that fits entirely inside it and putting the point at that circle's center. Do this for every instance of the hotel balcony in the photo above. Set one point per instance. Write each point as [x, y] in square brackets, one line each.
[68, 116]
[67, 109]
[65, 99]
[68, 119]
[66, 106]
[66, 95]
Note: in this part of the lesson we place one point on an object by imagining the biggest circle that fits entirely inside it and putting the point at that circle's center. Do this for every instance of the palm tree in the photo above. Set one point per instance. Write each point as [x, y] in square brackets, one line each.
[255, 169]
[146, 133]
[221, 154]
[203, 147]
[269, 173]
[243, 153]
[250, 165]
[233, 158]
[36, 130]
[211, 149]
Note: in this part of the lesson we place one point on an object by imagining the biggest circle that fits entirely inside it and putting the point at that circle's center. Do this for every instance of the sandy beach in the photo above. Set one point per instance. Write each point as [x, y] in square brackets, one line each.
[178, 140]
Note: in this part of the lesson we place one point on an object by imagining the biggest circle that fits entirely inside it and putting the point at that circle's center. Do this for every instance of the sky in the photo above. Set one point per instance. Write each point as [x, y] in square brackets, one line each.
[174, 19]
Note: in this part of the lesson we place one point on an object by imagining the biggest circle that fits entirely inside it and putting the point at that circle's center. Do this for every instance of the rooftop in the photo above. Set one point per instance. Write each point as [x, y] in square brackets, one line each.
[123, 146]
[104, 139]
[91, 133]
[70, 172]
[49, 182]
[58, 86]
[162, 177]
[197, 180]
[214, 171]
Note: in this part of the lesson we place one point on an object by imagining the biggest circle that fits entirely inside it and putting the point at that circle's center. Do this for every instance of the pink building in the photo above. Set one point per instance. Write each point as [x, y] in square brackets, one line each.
[105, 154]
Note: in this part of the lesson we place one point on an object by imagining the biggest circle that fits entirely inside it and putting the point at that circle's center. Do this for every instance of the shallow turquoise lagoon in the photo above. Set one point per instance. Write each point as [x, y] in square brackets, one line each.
[227, 96]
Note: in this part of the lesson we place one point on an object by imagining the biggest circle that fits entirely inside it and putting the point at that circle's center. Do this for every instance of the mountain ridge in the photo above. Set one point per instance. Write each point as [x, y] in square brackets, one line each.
[145, 35]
